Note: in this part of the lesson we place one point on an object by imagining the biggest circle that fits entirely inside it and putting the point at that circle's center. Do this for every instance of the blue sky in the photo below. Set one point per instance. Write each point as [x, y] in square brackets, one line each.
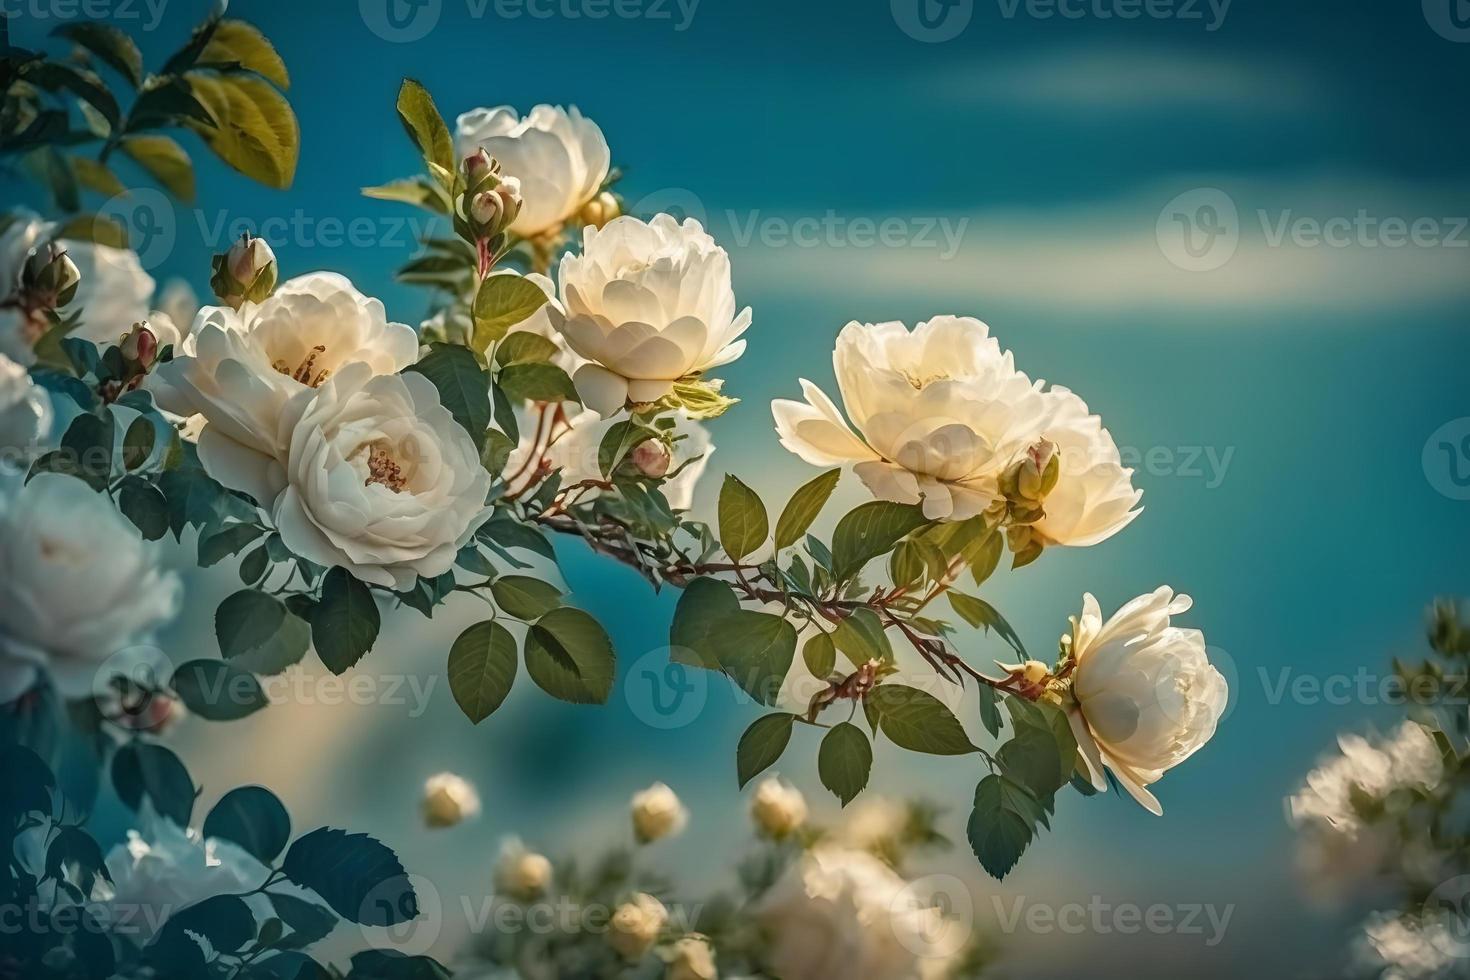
[1279, 401]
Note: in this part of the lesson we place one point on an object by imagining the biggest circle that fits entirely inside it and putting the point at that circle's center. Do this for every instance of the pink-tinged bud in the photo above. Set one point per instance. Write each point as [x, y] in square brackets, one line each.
[140, 345]
[248, 258]
[652, 458]
[50, 277]
[486, 208]
[477, 164]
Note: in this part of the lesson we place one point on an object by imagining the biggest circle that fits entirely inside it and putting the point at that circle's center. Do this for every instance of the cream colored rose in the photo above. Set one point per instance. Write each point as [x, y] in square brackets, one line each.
[1094, 497]
[559, 156]
[647, 303]
[25, 415]
[78, 585]
[521, 874]
[657, 813]
[941, 412]
[1144, 695]
[636, 925]
[778, 809]
[239, 368]
[449, 800]
[374, 475]
[843, 913]
[691, 958]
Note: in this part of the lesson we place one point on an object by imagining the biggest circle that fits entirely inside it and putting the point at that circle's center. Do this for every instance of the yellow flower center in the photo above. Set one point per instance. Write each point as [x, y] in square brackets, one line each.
[306, 371]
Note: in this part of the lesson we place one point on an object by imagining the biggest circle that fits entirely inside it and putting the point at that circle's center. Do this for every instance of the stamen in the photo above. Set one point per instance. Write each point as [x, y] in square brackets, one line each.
[303, 372]
[383, 470]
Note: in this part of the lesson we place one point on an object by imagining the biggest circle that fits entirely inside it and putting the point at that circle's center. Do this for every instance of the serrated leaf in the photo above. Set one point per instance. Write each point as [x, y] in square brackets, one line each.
[743, 521]
[570, 657]
[228, 540]
[217, 690]
[845, 761]
[463, 386]
[142, 504]
[255, 131]
[238, 43]
[918, 721]
[870, 530]
[345, 623]
[535, 382]
[1002, 823]
[525, 597]
[424, 125]
[755, 649]
[803, 507]
[258, 633]
[360, 878]
[523, 346]
[705, 603]
[761, 745]
[482, 669]
[503, 301]
[110, 44]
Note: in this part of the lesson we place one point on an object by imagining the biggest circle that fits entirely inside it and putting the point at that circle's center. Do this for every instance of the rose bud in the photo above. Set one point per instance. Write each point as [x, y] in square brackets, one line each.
[478, 164]
[521, 874]
[657, 813]
[140, 345]
[652, 458]
[487, 208]
[600, 210]
[448, 800]
[778, 810]
[50, 277]
[635, 926]
[691, 958]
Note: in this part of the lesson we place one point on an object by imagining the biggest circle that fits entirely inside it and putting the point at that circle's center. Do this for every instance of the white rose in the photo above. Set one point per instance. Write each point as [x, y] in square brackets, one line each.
[575, 452]
[941, 412]
[874, 823]
[1094, 497]
[162, 869]
[23, 231]
[1144, 694]
[239, 369]
[691, 958]
[448, 800]
[657, 813]
[373, 475]
[25, 414]
[77, 584]
[113, 295]
[648, 303]
[778, 810]
[559, 156]
[635, 926]
[843, 913]
[521, 874]
[1328, 800]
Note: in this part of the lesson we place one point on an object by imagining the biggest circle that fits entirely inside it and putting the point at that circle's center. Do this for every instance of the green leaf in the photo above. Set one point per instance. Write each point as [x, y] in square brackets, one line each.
[989, 710]
[860, 636]
[187, 56]
[51, 168]
[617, 442]
[224, 921]
[755, 649]
[918, 721]
[417, 191]
[803, 507]
[1002, 823]
[142, 504]
[463, 386]
[981, 614]
[869, 531]
[237, 43]
[228, 540]
[534, 382]
[254, 129]
[820, 655]
[523, 346]
[138, 442]
[524, 597]
[258, 633]
[503, 300]
[985, 556]
[845, 760]
[166, 161]
[252, 817]
[424, 125]
[88, 445]
[761, 745]
[743, 521]
[482, 669]
[97, 228]
[81, 82]
[1032, 759]
[110, 44]
[144, 770]
[168, 101]
[361, 879]
[569, 656]
[96, 176]
[704, 603]
[345, 623]
[217, 690]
